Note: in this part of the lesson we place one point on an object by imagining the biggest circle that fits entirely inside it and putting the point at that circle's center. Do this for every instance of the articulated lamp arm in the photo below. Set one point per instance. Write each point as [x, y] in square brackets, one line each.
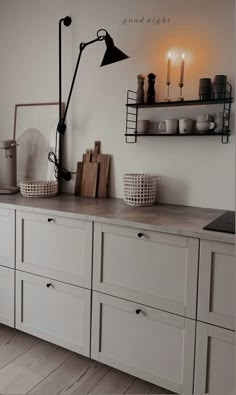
[112, 55]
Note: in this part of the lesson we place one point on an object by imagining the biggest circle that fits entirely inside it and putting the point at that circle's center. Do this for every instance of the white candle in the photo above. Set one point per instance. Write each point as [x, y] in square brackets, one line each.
[168, 69]
[181, 80]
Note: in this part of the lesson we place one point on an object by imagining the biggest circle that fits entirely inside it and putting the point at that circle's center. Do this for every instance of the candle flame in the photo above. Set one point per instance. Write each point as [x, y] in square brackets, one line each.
[183, 55]
[169, 55]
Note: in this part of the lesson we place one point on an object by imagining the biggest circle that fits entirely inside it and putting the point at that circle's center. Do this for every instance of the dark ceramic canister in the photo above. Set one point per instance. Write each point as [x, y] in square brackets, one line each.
[220, 81]
[205, 88]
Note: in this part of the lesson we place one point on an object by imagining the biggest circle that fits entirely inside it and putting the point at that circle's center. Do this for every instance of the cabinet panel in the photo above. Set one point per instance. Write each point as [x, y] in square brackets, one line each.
[7, 237]
[54, 311]
[214, 367]
[55, 247]
[148, 343]
[152, 268]
[216, 284]
[7, 295]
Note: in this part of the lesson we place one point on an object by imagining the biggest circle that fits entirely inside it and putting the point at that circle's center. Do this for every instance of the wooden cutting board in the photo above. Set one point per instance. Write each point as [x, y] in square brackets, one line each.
[104, 164]
[89, 176]
[78, 181]
[96, 151]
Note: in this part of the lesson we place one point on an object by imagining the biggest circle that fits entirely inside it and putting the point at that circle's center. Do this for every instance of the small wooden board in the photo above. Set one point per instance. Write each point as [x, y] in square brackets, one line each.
[89, 176]
[96, 151]
[104, 164]
[78, 180]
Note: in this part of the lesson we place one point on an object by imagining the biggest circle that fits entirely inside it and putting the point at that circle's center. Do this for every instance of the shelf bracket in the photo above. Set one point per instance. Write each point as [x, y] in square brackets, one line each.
[131, 117]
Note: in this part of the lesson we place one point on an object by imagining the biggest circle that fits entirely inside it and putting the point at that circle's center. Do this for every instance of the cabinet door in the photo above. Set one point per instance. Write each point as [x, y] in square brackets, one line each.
[7, 237]
[216, 284]
[152, 268]
[55, 247]
[54, 311]
[148, 343]
[214, 367]
[7, 295]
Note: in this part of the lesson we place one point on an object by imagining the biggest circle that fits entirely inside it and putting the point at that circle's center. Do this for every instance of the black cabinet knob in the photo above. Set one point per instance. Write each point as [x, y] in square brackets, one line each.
[138, 311]
[140, 234]
[49, 285]
[51, 220]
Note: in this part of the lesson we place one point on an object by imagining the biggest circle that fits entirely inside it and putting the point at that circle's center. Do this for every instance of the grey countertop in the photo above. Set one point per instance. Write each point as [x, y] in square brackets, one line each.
[168, 218]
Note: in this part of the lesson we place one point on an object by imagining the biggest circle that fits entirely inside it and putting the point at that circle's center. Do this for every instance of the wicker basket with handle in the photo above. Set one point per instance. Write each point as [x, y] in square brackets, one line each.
[140, 189]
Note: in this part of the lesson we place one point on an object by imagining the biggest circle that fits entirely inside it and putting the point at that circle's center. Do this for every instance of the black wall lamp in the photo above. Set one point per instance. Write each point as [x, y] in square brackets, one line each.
[112, 55]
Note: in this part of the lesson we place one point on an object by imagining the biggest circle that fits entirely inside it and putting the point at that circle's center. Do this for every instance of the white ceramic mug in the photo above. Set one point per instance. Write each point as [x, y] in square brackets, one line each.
[185, 126]
[218, 119]
[168, 126]
[204, 118]
[203, 127]
[143, 126]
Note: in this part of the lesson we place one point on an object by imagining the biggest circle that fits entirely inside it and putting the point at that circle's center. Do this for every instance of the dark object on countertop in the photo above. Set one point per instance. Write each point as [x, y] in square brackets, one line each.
[224, 223]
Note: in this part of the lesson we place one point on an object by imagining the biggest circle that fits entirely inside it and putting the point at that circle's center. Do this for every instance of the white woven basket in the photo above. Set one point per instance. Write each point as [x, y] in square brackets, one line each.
[140, 189]
[39, 188]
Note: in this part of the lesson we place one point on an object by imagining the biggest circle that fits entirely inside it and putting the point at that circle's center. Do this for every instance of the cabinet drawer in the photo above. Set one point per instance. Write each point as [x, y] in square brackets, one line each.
[54, 311]
[153, 345]
[7, 296]
[152, 268]
[216, 284]
[214, 367]
[55, 247]
[7, 237]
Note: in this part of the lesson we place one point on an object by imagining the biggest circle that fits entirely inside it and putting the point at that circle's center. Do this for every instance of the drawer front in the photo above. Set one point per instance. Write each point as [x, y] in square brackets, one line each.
[215, 361]
[59, 313]
[216, 284]
[148, 343]
[55, 247]
[7, 296]
[7, 237]
[152, 268]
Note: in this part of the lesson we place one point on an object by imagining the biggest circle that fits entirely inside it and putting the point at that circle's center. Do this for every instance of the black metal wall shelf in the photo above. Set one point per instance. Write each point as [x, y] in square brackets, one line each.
[131, 134]
[181, 104]
[175, 135]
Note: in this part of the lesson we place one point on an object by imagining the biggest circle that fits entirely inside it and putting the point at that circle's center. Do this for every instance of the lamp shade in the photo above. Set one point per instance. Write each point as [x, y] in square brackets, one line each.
[112, 54]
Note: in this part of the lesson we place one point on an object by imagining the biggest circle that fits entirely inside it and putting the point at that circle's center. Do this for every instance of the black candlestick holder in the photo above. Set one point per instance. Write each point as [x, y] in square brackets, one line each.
[168, 99]
[180, 98]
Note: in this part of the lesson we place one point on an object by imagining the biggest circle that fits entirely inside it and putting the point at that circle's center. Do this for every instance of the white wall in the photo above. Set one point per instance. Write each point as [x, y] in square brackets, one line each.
[194, 171]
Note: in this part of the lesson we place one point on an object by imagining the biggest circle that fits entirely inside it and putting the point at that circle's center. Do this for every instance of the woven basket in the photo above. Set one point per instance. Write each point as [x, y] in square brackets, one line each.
[140, 189]
[39, 188]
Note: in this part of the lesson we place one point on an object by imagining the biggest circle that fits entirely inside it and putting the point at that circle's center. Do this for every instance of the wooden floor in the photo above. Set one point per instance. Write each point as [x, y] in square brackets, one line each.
[29, 365]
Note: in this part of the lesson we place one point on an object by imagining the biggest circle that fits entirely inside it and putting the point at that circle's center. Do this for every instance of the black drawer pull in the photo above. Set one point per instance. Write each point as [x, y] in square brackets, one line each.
[49, 285]
[139, 312]
[51, 220]
[140, 234]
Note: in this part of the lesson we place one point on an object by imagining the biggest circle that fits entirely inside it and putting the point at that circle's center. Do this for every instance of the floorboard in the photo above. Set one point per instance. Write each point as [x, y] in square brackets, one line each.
[32, 366]
[13, 344]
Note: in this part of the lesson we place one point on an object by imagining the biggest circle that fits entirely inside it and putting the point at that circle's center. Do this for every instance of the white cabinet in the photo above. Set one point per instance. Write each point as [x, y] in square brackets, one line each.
[152, 268]
[151, 344]
[54, 311]
[56, 247]
[216, 295]
[7, 237]
[214, 367]
[7, 296]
